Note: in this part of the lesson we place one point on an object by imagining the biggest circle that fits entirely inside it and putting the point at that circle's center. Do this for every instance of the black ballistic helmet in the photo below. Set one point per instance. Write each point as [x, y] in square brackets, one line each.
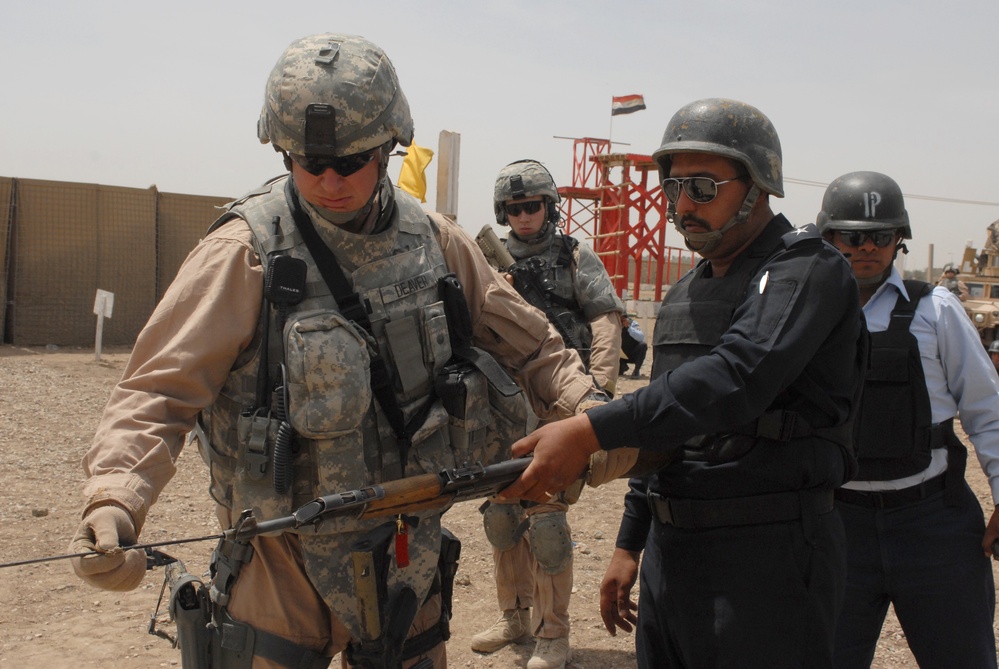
[727, 128]
[864, 201]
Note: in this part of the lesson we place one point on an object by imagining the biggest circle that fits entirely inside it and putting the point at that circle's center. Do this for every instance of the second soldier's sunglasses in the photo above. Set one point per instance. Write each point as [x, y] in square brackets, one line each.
[527, 207]
[699, 189]
[857, 238]
[342, 165]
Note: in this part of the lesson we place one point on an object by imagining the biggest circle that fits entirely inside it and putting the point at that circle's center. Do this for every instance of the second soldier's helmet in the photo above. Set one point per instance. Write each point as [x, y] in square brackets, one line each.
[525, 178]
[333, 95]
[994, 346]
[864, 201]
[727, 128]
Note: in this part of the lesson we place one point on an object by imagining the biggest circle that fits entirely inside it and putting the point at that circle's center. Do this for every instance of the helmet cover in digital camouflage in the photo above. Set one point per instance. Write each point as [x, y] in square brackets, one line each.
[864, 201]
[347, 89]
[522, 179]
[727, 128]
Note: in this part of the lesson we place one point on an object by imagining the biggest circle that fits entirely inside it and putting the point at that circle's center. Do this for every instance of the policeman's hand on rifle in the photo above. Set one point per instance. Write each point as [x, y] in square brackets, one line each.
[106, 529]
[561, 455]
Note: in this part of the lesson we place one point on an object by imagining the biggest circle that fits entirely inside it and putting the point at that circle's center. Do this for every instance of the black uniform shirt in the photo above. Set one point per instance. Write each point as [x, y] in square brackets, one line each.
[792, 344]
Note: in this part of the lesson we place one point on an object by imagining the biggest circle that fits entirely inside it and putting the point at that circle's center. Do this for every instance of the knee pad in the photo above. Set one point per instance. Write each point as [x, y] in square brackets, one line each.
[503, 524]
[551, 544]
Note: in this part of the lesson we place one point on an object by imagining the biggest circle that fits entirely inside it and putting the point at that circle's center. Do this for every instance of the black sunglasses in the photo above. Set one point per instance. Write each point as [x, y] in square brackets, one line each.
[857, 238]
[342, 165]
[699, 189]
[526, 207]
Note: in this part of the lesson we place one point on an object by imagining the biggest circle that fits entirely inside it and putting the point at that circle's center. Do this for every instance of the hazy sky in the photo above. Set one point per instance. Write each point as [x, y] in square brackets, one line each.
[140, 93]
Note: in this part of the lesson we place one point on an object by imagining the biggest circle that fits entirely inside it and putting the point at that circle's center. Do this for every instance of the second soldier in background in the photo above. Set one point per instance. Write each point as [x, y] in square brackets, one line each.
[532, 547]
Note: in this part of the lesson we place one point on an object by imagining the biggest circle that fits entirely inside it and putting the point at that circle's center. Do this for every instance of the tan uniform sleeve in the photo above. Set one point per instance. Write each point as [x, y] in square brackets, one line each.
[517, 334]
[605, 349]
[180, 361]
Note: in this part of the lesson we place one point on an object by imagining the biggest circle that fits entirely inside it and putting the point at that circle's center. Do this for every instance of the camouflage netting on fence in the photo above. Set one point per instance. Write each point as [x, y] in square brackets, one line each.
[63, 241]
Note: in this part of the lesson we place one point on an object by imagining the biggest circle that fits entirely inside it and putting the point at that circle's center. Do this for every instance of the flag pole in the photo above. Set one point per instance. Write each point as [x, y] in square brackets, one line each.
[610, 132]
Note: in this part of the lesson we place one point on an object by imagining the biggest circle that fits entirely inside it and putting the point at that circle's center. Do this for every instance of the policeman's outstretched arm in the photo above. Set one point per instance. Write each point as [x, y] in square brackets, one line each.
[562, 452]
[617, 608]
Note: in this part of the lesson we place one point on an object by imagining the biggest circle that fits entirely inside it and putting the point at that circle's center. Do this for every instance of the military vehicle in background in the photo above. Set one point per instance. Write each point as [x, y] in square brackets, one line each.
[979, 271]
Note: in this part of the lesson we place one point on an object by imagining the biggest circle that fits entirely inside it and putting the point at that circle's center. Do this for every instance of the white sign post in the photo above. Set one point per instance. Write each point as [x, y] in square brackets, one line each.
[103, 306]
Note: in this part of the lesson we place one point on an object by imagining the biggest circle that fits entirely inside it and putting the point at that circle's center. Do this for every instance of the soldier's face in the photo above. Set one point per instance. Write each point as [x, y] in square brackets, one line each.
[867, 260]
[337, 193]
[521, 221]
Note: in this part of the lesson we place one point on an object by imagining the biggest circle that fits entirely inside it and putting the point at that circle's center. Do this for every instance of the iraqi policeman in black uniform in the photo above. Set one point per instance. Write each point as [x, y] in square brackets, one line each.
[758, 357]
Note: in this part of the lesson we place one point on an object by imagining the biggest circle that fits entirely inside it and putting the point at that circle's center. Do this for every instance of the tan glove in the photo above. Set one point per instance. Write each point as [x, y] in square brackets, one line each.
[607, 466]
[104, 529]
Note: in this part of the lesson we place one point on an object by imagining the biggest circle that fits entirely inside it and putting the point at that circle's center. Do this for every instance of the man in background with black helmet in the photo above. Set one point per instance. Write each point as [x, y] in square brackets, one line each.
[532, 547]
[758, 355]
[318, 304]
[916, 535]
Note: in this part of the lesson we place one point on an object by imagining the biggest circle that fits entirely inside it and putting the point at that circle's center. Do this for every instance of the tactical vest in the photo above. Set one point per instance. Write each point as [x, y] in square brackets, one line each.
[550, 261]
[344, 439]
[692, 318]
[896, 430]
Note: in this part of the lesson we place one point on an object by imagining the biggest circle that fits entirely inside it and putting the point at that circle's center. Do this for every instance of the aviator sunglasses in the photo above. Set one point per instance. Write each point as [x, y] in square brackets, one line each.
[857, 238]
[699, 189]
[526, 207]
[342, 165]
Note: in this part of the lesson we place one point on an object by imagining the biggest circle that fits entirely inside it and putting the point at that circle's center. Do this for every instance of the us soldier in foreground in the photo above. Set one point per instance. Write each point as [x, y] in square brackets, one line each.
[915, 531]
[532, 547]
[758, 355]
[312, 337]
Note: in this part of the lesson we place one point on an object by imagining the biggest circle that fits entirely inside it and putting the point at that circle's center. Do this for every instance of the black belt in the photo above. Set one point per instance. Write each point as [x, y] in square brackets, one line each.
[778, 507]
[886, 499]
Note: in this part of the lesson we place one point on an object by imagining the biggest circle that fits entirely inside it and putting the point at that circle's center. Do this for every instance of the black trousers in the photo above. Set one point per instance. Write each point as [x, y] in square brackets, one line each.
[763, 596]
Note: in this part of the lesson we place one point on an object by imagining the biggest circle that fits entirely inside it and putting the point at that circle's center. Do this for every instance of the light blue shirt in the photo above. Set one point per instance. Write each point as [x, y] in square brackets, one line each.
[960, 378]
[635, 331]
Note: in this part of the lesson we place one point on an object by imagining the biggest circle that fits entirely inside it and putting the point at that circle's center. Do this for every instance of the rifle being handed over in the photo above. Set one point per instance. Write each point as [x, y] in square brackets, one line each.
[413, 493]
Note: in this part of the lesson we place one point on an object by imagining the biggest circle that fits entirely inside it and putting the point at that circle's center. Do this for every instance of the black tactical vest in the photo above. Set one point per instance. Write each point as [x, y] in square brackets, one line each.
[896, 431]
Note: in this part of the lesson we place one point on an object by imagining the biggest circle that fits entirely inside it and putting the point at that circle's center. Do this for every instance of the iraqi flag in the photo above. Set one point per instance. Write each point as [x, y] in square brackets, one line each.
[627, 104]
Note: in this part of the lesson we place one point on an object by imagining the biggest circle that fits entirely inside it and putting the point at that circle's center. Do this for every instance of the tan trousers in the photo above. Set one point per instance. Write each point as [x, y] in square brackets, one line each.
[274, 594]
[521, 583]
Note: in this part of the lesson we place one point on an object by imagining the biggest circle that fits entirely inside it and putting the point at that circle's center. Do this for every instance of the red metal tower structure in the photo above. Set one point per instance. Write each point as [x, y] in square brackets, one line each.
[615, 199]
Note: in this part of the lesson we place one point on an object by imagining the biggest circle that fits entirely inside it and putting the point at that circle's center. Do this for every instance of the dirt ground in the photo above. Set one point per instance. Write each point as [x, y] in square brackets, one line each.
[50, 402]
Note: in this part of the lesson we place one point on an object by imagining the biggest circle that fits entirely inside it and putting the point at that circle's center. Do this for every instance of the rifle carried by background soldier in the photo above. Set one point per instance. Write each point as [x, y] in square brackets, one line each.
[530, 281]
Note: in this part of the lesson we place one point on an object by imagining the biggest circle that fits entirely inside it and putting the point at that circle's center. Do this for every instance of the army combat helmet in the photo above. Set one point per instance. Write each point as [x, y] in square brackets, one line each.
[864, 201]
[728, 128]
[334, 95]
[526, 178]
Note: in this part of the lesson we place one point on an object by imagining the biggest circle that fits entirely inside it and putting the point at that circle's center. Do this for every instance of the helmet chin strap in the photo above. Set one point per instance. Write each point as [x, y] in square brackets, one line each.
[710, 240]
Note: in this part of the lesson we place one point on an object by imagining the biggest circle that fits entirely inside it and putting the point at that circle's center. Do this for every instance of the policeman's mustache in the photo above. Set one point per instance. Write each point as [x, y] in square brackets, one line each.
[690, 218]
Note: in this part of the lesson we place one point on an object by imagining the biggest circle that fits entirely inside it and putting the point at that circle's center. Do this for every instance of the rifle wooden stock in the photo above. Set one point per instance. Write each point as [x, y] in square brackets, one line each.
[413, 493]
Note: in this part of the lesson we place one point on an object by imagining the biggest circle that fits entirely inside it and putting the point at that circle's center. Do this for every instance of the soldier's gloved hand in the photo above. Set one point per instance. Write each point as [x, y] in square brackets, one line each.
[609, 465]
[106, 529]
